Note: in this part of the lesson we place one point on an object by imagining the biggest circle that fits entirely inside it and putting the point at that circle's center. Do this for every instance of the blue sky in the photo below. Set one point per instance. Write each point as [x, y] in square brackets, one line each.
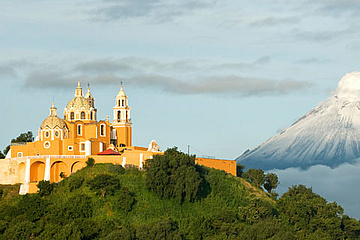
[220, 76]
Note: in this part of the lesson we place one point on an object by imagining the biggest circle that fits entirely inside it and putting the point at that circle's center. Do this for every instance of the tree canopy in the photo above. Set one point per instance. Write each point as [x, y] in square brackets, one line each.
[173, 175]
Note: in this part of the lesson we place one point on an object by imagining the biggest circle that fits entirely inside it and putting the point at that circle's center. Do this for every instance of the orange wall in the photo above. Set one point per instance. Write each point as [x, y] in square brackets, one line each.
[228, 166]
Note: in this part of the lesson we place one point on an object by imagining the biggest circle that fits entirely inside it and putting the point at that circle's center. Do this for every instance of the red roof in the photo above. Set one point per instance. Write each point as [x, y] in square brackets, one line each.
[109, 152]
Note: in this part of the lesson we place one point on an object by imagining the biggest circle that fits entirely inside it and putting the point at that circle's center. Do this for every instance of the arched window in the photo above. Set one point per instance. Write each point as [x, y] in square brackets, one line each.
[118, 115]
[72, 116]
[91, 116]
[82, 115]
[119, 103]
[79, 129]
[102, 130]
[127, 116]
[123, 103]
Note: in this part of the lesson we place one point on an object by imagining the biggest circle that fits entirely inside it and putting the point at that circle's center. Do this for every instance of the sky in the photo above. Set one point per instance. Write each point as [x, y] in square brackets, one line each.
[220, 76]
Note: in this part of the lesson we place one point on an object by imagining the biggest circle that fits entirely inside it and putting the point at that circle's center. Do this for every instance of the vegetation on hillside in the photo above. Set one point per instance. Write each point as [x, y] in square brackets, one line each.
[171, 199]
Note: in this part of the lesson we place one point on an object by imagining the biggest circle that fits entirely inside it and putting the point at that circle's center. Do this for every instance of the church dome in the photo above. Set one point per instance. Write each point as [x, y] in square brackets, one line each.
[79, 102]
[53, 120]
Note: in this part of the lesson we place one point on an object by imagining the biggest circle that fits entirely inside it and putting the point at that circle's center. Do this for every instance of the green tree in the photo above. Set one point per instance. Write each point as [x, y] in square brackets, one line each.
[310, 213]
[271, 181]
[125, 200]
[104, 184]
[90, 162]
[255, 176]
[45, 188]
[239, 170]
[173, 175]
[75, 182]
[23, 137]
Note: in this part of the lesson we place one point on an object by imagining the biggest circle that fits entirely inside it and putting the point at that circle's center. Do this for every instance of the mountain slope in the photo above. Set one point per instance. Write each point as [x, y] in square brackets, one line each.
[329, 134]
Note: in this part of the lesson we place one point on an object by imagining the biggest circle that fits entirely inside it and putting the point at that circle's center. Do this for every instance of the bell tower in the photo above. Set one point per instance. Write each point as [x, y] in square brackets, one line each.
[122, 131]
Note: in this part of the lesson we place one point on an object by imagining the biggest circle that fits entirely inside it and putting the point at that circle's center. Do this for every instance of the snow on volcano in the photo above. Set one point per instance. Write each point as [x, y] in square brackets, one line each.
[329, 134]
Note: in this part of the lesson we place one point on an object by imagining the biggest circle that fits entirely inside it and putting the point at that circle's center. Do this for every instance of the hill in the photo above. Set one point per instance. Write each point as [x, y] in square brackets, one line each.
[106, 201]
[328, 135]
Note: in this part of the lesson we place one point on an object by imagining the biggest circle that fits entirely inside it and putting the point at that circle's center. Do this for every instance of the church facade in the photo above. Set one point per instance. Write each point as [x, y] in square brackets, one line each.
[63, 145]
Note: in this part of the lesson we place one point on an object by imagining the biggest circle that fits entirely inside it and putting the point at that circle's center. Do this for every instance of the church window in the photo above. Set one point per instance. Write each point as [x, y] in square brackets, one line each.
[127, 115]
[70, 148]
[19, 154]
[72, 116]
[56, 133]
[123, 103]
[47, 134]
[79, 129]
[46, 144]
[118, 115]
[119, 103]
[91, 116]
[102, 130]
[82, 115]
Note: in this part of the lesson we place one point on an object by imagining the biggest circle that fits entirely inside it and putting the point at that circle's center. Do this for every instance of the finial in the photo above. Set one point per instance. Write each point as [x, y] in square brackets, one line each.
[88, 87]
[79, 84]
[121, 84]
[52, 106]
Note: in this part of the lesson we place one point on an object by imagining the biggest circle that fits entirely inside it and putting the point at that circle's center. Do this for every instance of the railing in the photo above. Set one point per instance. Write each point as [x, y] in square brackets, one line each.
[18, 143]
[205, 156]
[50, 156]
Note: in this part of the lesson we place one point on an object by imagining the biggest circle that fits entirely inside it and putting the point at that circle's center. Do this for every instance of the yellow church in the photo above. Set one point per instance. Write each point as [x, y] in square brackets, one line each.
[63, 145]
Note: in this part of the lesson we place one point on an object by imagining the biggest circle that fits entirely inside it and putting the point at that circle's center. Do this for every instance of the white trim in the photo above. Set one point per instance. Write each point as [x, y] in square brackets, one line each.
[123, 162]
[27, 170]
[101, 147]
[87, 147]
[141, 160]
[47, 169]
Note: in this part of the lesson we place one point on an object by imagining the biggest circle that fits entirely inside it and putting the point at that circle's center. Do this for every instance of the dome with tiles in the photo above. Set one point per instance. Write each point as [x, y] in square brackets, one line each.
[53, 121]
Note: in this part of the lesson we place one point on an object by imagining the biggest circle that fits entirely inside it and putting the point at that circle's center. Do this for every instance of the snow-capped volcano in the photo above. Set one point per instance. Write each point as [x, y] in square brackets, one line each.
[329, 134]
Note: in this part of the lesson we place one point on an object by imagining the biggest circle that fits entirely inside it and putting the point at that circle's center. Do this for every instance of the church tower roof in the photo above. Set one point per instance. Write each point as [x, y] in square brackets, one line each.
[53, 120]
[78, 102]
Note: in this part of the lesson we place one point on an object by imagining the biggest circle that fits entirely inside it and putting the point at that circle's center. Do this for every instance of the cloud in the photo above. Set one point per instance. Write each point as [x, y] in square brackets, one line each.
[157, 10]
[308, 61]
[6, 71]
[324, 35]
[213, 85]
[335, 8]
[241, 65]
[339, 184]
[274, 21]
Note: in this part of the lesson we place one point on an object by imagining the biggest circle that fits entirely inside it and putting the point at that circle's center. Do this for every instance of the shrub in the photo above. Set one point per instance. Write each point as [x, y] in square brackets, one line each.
[163, 229]
[45, 188]
[78, 206]
[125, 199]
[173, 175]
[255, 176]
[115, 168]
[90, 162]
[75, 182]
[104, 184]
